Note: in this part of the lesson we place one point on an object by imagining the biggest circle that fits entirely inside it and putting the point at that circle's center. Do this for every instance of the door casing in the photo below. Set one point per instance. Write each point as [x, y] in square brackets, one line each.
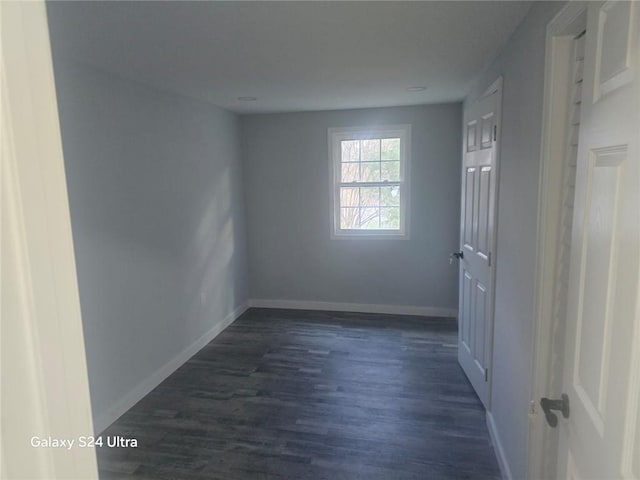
[542, 441]
[45, 388]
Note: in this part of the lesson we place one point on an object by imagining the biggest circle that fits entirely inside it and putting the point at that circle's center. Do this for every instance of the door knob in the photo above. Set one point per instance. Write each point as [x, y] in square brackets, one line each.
[561, 405]
[459, 255]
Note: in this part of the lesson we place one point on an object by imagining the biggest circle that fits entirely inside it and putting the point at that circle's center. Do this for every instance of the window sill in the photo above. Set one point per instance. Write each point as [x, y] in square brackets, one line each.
[369, 235]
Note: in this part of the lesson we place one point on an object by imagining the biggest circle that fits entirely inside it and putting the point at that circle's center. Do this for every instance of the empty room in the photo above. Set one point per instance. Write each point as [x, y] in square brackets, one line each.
[320, 240]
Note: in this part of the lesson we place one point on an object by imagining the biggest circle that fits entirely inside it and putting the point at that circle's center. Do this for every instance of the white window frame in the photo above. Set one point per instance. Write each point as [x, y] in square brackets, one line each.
[337, 135]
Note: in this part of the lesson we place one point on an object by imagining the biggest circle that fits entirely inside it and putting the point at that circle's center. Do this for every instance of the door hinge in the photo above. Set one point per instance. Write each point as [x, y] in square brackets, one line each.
[486, 374]
[489, 259]
[495, 133]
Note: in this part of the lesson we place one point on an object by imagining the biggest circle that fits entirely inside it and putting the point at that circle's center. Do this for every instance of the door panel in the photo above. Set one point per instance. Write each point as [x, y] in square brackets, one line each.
[601, 374]
[470, 184]
[471, 135]
[476, 242]
[467, 311]
[479, 344]
[487, 130]
[614, 49]
[594, 322]
[600, 262]
[484, 203]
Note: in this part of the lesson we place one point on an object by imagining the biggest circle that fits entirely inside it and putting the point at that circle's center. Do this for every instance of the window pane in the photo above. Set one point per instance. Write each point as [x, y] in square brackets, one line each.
[370, 218]
[370, 172]
[390, 218]
[390, 171]
[390, 149]
[369, 196]
[390, 196]
[371, 150]
[349, 218]
[349, 197]
[350, 172]
[350, 150]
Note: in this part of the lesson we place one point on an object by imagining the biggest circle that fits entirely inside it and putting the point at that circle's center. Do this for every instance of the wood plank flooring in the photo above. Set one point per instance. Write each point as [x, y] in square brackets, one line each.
[285, 394]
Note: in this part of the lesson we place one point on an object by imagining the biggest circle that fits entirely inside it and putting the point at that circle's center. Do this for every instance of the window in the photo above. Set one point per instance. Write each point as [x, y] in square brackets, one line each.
[369, 181]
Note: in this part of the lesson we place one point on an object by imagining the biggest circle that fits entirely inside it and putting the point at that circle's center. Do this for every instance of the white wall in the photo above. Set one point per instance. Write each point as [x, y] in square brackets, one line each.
[291, 254]
[157, 214]
[522, 65]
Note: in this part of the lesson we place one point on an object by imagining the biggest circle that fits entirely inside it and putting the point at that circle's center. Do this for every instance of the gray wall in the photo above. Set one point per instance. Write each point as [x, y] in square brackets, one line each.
[291, 254]
[521, 64]
[157, 215]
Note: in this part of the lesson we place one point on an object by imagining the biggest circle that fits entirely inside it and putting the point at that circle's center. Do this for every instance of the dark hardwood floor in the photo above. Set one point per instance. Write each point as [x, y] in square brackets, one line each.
[284, 394]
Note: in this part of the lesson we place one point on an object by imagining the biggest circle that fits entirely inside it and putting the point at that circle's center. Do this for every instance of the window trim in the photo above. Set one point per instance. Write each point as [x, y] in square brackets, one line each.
[338, 134]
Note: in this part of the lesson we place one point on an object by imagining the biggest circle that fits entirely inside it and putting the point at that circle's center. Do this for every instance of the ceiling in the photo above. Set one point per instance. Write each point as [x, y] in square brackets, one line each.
[291, 56]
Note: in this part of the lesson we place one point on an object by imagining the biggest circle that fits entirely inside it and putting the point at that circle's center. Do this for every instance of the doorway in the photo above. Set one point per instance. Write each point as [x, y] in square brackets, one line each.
[588, 249]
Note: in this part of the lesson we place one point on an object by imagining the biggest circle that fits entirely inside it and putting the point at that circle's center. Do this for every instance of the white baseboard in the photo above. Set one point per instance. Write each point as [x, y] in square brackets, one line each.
[497, 447]
[103, 420]
[355, 307]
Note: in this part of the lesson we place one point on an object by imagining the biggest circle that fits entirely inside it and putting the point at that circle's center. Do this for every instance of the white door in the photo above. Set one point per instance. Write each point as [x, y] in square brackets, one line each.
[477, 235]
[600, 439]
